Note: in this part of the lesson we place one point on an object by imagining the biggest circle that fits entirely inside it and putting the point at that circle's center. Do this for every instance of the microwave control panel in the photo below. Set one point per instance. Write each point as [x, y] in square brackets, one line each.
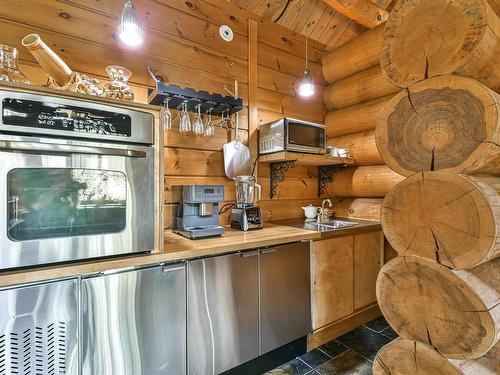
[46, 115]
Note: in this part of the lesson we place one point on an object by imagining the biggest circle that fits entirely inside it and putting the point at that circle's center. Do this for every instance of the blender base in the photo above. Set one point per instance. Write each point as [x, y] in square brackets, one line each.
[245, 219]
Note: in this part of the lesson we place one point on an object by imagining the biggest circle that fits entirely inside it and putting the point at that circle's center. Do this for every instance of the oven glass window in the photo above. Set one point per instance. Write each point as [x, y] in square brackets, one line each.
[305, 135]
[60, 202]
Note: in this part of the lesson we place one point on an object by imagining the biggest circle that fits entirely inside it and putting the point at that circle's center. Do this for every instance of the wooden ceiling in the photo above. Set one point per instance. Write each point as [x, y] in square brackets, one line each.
[310, 17]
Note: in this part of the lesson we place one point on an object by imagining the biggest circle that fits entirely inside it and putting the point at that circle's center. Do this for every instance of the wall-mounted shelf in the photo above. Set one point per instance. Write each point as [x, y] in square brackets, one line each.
[280, 162]
[305, 159]
[219, 104]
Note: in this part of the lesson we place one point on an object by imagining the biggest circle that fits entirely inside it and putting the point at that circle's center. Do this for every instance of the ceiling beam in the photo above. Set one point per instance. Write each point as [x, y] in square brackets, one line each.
[363, 12]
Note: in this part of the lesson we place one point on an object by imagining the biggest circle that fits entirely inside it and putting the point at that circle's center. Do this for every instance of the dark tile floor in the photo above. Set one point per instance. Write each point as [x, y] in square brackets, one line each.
[349, 354]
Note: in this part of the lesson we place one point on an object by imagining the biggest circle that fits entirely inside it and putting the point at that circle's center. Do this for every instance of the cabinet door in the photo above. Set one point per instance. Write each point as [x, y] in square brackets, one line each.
[134, 322]
[332, 279]
[285, 295]
[223, 312]
[367, 256]
[38, 329]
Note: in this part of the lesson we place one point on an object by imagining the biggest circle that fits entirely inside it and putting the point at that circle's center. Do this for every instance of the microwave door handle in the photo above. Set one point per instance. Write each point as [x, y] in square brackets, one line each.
[32, 147]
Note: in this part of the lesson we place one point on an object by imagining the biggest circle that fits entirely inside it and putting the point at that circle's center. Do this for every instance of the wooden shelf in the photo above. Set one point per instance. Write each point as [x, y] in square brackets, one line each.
[305, 159]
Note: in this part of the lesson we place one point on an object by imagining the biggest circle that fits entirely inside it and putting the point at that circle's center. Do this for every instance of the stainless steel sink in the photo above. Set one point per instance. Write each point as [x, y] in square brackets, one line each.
[329, 226]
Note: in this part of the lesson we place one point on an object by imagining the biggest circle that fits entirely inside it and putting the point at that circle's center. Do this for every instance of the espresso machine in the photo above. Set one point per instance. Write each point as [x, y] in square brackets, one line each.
[246, 215]
[198, 211]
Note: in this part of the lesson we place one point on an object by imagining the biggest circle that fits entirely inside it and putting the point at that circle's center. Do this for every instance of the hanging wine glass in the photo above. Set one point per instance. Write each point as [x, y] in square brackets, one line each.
[185, 125]
[209, 126]
[167, 115]
[198, 122]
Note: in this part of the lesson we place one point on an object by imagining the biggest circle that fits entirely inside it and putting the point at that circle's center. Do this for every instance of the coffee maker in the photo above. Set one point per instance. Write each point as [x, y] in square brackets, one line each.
[246, 215]
[198, 211]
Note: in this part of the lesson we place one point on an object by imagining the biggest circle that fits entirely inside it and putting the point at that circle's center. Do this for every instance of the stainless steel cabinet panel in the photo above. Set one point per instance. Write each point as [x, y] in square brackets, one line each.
[134, 322]
[38, 329]
[223, 311]
[285, 295]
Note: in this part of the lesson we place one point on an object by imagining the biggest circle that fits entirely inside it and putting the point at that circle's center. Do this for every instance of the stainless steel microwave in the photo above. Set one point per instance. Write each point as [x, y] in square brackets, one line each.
[289, 134]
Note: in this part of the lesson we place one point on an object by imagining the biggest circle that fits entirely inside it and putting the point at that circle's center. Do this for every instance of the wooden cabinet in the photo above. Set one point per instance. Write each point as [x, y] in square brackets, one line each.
[367, 257]
[344, 272]
[332, 280]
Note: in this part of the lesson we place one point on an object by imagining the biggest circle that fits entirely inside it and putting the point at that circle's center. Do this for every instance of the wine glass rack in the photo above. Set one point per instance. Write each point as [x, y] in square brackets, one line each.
[220, 105]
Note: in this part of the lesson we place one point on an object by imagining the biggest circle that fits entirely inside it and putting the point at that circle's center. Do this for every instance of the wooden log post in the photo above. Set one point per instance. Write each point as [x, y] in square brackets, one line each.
[363, 86]
[428, 38]
[361, 146]
[365, 182]
[455, 311]
[410, 357]
[356, 118]
[445, 217]
[447, 123]
[354, 56]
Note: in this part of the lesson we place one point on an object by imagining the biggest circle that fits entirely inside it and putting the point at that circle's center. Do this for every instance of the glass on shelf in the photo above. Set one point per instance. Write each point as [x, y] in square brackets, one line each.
[9, 69]
[118, 87]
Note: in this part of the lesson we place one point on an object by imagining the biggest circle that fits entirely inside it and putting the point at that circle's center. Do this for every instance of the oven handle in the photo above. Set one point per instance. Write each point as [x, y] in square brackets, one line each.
[32, 147]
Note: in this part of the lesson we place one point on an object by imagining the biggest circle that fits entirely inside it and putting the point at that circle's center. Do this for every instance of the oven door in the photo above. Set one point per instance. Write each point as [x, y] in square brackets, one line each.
[305, 137]
[65, 200]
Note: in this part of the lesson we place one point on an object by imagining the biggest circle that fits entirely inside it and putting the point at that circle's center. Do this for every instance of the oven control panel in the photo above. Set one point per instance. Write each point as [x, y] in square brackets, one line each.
[47, 115]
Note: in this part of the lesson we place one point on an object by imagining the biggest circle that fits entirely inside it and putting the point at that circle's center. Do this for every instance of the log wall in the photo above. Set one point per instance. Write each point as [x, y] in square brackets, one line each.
[355, 96]
[182, 43]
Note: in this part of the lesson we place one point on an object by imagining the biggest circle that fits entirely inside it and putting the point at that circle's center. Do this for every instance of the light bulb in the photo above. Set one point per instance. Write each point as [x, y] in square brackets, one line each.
[130, 31]
[306, 87]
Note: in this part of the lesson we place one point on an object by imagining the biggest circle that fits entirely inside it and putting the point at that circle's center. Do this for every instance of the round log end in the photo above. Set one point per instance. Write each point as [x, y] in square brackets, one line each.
[428, 38]
[408, 357]
[452, 311]
[451, 219]
[446, 123]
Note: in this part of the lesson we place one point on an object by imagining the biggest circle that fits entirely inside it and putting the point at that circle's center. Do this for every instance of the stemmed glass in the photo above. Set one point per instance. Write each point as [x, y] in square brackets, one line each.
[167, 115]
[185, 125]
[198, 122]
[209, 126]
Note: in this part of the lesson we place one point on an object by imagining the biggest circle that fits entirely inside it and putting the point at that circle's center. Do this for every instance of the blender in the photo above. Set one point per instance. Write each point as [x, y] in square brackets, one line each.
[246, 215]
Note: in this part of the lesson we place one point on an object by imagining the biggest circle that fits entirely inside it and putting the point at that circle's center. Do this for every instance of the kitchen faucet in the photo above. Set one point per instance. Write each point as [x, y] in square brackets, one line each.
[323, 216]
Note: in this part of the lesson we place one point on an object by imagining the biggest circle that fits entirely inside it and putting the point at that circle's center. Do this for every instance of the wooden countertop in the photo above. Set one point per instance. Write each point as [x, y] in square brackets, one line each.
[179, 248]
[176, 248]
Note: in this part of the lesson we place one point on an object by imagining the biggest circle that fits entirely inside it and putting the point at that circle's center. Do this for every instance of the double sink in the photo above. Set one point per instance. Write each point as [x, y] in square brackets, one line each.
[329, 225]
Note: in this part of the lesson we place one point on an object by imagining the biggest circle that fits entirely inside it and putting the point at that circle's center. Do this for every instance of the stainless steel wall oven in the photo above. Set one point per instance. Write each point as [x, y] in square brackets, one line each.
[76, 180]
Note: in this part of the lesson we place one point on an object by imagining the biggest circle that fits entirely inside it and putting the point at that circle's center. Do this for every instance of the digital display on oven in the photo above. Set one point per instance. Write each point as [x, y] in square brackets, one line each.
[46, 115]
[209, 191]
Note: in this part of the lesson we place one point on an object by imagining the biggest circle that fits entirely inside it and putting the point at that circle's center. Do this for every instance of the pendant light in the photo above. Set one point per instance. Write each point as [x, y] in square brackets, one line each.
[130, 31]
[306, 87]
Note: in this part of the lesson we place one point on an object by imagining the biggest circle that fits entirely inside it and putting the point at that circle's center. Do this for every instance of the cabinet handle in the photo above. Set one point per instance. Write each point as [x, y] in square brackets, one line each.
[248, 254]
[271, 250]
[172, 268]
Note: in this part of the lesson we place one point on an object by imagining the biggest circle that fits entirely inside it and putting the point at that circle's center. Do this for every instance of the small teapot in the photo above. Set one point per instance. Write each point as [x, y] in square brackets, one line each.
[311, 211]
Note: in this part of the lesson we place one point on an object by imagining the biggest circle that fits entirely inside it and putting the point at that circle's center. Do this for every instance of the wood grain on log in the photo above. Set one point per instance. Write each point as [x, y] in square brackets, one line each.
[361, 146]
[449, 218]
[367, 182]
[427, 38]
[444, 123]
[363, 86]
[408, 357]
[356, 118]
[455, 311]
[356, 55]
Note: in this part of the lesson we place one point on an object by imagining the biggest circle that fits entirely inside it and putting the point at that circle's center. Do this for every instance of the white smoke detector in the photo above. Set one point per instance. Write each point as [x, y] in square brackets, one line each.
[226, 33]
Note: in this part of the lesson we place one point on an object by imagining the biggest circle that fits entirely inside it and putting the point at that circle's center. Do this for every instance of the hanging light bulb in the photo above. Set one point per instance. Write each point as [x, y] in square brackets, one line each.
[130, 31]
[306, 87]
